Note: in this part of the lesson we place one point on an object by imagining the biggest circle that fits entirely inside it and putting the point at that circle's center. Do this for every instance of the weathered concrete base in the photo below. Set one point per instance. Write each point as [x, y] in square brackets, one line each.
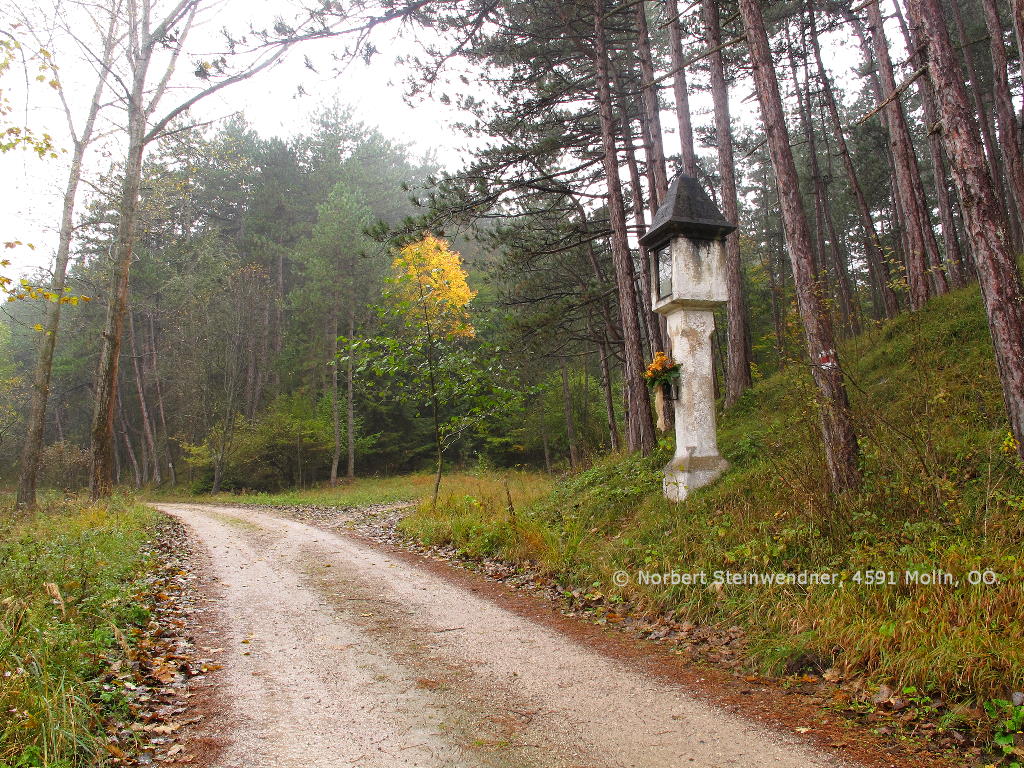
[687, 473]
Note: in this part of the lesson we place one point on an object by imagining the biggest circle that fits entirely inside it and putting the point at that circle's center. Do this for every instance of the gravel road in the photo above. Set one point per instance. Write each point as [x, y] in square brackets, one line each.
[337, 653]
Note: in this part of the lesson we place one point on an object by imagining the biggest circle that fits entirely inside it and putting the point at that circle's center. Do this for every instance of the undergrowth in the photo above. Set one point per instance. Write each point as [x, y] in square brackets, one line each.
[70, 577]
[942, 491]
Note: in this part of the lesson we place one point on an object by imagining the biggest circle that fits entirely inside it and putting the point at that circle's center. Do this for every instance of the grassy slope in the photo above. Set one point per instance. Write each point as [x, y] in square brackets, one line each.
[940, 491]
[52, 704]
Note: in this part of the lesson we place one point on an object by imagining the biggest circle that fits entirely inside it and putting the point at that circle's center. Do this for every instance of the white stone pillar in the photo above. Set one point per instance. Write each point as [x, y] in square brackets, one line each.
[697, 461]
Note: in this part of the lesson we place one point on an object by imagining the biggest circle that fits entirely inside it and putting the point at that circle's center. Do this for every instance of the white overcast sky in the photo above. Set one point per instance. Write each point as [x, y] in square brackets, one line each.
[32, 188]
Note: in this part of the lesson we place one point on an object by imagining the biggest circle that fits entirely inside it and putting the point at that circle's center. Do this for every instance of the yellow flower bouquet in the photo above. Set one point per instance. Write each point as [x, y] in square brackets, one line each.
[661, 376]
[662, 371]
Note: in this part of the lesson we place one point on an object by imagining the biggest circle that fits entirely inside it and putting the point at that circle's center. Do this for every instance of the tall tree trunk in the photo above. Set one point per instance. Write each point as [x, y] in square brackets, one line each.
[982, 124]
[545, 444]
[821, 215]
[651, 318]
[277, 336]
[140, 390]
[997, 271]
[1017, 11]
[840, 440]
[570, 419]
[848, 305]
[896, 234]
[33, 446]
[937, 269]
[102, 432]
[878, 268]
[350, 404]
[267, 362]
[954, 258]
[1009, 133]
[775, 298]
[224, 439]
[680, 90]
[161, 412]
[651, 113]
[609, 400]
[639, 427]
[907, 177]
[335, 399]
[612, 331]
[653, 322]
[252, 375]
[738, 370]
[136, 472]
[145, 34]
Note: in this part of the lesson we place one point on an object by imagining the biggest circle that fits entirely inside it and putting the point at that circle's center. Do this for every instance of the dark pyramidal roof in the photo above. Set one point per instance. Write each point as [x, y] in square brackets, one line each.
[687, 210]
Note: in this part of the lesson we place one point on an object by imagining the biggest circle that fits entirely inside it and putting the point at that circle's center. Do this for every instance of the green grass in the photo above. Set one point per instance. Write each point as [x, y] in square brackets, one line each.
[942, 489]
[359, 492]
[69, 576]
[384, 490]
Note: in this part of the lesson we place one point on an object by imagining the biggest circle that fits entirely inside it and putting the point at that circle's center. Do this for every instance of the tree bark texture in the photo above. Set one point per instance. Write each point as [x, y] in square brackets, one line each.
[997, 271]
[839, 438]
[738, 377]
[639, 427]
[102, 433]
[1006, 120]
[906, 177]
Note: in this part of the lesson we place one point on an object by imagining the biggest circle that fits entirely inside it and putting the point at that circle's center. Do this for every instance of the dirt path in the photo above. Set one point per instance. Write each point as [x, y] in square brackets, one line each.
[338, 654]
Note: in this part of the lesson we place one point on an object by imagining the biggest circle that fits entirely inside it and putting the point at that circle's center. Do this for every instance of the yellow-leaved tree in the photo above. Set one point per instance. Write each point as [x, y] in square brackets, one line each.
[431, 293]
[431, 288]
